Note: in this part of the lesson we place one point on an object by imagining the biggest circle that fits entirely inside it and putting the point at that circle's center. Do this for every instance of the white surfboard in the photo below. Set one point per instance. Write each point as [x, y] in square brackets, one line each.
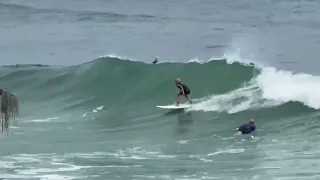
[181, 106]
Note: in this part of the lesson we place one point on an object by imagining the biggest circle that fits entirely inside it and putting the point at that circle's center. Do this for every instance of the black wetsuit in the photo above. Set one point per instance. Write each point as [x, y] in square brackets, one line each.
[185, 88]
[247, 128]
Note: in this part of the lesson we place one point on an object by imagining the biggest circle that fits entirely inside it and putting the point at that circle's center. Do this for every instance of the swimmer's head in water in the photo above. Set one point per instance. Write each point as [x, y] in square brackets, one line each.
[251, 121]
[178, 80]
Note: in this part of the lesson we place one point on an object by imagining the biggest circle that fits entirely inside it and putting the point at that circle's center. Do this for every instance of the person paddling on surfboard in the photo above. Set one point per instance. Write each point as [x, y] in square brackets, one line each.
[183, 90]
[247, 128]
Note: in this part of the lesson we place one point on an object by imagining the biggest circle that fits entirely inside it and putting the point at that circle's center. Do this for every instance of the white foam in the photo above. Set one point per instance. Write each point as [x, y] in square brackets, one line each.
[97, 109]
[43, 166]
[196, 59]
[235, 56]
[60, 166]
[192, 60]
[232, 55]
[284, 86]
[58, 177]
[43, 120]
[113, 55]
[35, 171]
[228, 151]
[272, 87]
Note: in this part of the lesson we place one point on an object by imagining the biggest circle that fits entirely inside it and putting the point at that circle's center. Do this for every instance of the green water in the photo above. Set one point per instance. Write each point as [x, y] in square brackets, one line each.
[99, 121]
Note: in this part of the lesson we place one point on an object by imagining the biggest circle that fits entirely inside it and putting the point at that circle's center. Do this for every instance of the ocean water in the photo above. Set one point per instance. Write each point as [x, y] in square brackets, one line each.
[88, 91]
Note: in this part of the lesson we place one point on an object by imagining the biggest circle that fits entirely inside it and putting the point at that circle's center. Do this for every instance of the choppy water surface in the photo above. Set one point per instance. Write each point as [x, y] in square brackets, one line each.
[88, 106]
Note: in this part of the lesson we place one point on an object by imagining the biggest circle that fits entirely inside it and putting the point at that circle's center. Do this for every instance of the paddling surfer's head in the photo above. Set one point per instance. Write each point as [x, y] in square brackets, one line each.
[156, 59]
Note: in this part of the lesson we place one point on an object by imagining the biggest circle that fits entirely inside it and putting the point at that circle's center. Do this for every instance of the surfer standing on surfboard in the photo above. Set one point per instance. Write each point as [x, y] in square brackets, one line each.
[183, 90]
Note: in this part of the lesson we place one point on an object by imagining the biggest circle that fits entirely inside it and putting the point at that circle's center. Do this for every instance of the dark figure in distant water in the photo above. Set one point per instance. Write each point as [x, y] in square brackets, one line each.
[155, 60]
[183, 90]
[9, 109]
[247, 128]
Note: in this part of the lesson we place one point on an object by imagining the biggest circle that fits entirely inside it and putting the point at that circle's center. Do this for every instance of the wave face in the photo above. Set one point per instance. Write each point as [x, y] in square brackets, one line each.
[217, 85]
